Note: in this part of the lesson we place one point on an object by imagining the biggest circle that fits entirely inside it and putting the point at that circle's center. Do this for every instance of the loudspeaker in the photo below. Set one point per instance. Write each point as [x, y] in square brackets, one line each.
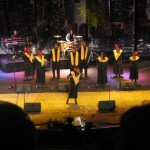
[106, 106]
[32, 107]
[23, 88]
[63, 86]
[127, 85]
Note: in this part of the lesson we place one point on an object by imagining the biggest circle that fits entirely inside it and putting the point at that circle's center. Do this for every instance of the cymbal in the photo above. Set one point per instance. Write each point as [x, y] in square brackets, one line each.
[78, 36]
[57, 36]
[92, 46]
[61, 41]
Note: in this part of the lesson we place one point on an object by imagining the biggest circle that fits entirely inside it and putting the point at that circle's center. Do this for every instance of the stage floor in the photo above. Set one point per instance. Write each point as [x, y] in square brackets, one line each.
[53, 103]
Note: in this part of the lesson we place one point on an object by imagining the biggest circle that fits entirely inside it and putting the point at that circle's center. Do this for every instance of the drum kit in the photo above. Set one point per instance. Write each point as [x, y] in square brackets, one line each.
[66, 46]
[79, 36]
[57, 36]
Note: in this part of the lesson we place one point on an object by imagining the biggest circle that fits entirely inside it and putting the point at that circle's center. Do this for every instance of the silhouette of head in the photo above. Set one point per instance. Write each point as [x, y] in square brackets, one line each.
[135, 128]
[17, 131]
[70, 120]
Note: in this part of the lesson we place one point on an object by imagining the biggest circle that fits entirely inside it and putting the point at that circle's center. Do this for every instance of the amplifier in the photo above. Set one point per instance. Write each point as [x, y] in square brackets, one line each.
[127, 85]
[23, 88]
[32, 107]
[63, 86]
[106, 106]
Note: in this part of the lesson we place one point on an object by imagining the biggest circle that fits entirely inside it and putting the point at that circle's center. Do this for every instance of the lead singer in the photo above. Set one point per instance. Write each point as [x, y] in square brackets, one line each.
[73, 86]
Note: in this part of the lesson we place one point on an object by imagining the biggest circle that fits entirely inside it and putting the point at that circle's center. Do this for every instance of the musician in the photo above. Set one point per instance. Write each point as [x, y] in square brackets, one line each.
[28, 58]
[118, 56]
[134, 66]
[74, 82]
[55, 57]
[15, 34]
[16, 47]
[40, 62]
[83, 56]
[74, 58]
[102, 62]
[70, 37]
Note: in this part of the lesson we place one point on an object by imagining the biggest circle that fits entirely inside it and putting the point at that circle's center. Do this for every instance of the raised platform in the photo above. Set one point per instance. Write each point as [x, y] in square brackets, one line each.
[11, 65]
[8, 64]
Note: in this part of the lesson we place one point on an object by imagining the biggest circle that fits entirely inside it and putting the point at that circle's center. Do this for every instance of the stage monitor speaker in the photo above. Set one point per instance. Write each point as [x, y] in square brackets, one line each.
[32, 107]
[63, 86]
[106, 106]
[23, 88]
[127, 85]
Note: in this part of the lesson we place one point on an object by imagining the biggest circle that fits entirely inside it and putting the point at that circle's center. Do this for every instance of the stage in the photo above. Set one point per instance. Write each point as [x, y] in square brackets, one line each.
[15, 63]
[53, 102]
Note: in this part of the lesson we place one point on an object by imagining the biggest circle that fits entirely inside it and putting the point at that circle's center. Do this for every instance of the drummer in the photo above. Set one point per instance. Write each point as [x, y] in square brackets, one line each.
[70, 37]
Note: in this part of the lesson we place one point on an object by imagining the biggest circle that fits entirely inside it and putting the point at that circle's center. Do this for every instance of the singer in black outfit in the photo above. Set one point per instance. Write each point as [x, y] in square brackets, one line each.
[102, 62]
[134, 59]
[73, 86]
[28, 58]
[40, 62]
[118, 57]
[55, 57]
[83, 55]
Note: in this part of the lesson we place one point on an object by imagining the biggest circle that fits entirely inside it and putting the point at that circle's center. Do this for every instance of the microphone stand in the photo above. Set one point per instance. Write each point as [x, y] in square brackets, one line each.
[92, 55]
[109, 85]
[10, 86]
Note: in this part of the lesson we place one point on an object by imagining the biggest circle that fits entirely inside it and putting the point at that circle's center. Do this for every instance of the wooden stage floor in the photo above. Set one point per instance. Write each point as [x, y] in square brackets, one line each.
[53, 103]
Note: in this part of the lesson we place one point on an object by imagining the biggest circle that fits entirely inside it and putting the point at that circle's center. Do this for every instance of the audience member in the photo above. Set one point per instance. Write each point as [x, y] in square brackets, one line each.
[17, 131]
[135, 129]
[70, 132]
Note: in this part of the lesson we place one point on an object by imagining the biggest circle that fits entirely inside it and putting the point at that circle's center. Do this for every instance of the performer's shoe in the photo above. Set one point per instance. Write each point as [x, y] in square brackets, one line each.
[67, 101]
[120, 76]
[53, 78]
[76, 101]
[86, 77]
[26, 79]
[58, 77]
[36, 86]
[135, 82]
[32, 78]
[114, 77]
[40, 86]
[97, 85]
[81, 78]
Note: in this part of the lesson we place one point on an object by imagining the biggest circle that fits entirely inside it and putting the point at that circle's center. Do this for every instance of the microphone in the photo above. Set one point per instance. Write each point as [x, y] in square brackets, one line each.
[13, 57]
